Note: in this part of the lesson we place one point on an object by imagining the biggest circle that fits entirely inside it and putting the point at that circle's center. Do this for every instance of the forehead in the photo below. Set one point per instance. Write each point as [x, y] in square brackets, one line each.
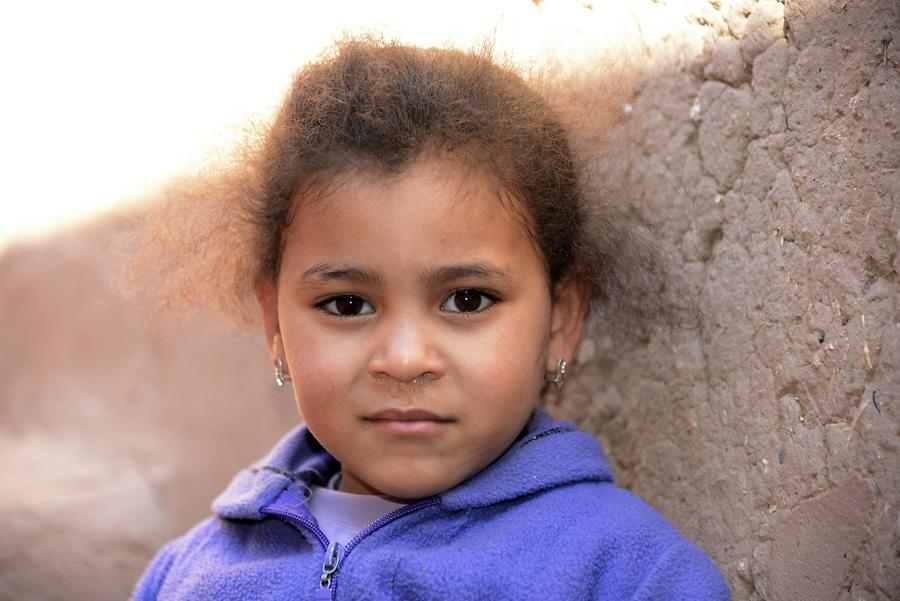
[434, 212]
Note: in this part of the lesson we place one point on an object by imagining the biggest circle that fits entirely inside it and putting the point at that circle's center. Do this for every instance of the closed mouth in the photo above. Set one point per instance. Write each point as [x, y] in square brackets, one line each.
[407, 415]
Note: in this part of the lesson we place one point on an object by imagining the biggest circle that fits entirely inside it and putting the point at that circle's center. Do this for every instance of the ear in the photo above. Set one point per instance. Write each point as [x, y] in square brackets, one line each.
[571, 300]
[267, 297]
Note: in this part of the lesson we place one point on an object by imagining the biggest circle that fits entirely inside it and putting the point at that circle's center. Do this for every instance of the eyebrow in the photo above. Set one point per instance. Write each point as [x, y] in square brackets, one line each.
[470, 270]
[320, 273]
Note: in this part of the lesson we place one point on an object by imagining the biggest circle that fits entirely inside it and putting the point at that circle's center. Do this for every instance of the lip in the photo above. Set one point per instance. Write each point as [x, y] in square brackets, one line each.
[406, 415]
[408, 421]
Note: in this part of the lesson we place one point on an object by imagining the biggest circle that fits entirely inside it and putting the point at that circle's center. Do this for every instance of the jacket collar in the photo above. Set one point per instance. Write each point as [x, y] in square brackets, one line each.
[548, 454]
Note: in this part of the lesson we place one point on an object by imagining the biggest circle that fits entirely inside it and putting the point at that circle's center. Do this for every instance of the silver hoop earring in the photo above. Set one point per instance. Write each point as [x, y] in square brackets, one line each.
[281, 376]
[559, 376]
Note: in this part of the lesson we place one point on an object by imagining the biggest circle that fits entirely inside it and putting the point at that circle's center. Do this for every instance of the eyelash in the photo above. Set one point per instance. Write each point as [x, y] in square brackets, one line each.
[323, 306]
[482, 293]
[491, 298]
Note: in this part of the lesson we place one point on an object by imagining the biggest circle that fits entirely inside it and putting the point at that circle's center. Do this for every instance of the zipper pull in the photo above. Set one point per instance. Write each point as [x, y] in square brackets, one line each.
[330, 565]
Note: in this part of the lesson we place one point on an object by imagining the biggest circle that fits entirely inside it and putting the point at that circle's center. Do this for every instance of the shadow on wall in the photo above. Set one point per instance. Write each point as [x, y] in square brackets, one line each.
[761, 149]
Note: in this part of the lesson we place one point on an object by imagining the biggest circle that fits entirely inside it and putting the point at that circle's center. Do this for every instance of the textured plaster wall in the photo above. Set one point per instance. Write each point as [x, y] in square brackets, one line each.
[764, 154]
[761, 148]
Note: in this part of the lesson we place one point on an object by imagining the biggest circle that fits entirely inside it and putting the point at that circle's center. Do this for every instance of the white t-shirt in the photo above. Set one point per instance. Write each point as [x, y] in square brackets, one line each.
[342, 515]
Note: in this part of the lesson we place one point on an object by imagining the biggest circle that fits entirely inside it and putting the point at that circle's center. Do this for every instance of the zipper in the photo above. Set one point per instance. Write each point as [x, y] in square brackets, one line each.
[380, 522]
[333, 550]
[329, 567]
[330, 564]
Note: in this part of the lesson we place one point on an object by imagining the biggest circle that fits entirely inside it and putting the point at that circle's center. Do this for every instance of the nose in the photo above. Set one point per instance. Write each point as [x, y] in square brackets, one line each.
[407, 348]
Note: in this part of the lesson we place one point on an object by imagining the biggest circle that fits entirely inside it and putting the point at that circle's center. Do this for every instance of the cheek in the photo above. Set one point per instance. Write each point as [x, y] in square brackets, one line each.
[506, 367]
[322, 371]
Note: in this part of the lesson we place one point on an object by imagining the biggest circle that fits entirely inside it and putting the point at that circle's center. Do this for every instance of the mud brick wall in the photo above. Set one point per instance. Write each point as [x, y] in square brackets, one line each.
[764, 154]
[760, 147]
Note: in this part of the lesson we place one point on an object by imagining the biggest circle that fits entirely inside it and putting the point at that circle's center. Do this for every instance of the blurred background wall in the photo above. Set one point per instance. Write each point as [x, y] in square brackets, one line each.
[760, 145]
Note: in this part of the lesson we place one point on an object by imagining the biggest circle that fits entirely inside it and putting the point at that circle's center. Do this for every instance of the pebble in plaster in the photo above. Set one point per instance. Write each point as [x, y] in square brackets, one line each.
[796, 221]
[727, 64]
[734, 13]
[769, 72]
[724, 135]
[763, 27]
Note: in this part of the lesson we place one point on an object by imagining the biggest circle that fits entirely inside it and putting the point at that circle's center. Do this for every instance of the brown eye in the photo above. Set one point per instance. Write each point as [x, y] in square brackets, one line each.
[348, 305]
[467, 300]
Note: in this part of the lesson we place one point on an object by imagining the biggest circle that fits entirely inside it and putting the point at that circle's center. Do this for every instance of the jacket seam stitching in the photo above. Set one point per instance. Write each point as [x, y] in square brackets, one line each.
[292, 476]
[546, 433]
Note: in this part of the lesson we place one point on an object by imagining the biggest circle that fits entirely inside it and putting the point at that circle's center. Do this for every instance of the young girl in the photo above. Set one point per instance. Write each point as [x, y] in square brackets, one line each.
[422, 266]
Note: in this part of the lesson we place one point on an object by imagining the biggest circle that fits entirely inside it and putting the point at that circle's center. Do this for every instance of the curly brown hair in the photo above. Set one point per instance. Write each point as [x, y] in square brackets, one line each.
[378, 107]
[374, 105]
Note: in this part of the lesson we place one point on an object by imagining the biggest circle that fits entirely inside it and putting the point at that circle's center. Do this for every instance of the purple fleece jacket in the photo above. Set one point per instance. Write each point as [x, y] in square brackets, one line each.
[544, 521]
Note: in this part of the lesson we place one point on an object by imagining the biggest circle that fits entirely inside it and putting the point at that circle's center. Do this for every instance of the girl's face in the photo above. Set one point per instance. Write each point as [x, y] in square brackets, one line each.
[417, 324]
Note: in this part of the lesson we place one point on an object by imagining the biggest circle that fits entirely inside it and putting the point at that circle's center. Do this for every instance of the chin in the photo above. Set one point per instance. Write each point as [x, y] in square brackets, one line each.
[408, 492]
[413, 484]
[409, 480]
